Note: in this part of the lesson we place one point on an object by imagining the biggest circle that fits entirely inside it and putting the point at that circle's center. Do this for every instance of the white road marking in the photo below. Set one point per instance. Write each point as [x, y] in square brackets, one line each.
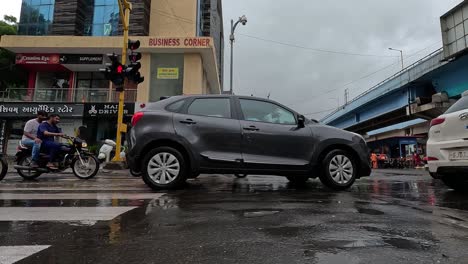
[61, 213]
[12, 254]
[79, 196]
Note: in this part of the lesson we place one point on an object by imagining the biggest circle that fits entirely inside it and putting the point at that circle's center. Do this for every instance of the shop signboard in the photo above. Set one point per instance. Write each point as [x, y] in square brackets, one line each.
[13, 110]
[106, 110]
[190, 42]
[168, 73]
[31, 58]
[59, 58]
[81, 59]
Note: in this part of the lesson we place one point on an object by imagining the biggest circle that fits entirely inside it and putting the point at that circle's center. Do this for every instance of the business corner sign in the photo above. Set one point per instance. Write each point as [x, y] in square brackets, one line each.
[99, 110]
[14, 110]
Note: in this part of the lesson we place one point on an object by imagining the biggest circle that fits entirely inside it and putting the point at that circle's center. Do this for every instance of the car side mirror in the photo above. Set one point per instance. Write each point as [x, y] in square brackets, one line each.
[301, 121]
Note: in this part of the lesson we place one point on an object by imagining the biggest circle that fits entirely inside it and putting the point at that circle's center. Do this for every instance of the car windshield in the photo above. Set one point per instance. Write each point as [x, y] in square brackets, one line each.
[461, 104]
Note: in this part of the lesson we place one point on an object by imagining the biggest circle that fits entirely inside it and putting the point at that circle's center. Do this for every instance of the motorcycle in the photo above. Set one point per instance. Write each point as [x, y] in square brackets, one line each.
[3, 167]
[72, 155]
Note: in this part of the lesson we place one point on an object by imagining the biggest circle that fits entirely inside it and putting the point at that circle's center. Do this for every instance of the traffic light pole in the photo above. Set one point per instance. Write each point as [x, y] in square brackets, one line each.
[125, 7]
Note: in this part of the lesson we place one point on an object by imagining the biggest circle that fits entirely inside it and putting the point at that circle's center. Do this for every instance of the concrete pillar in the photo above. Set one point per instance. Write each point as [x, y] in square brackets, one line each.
[193, 74]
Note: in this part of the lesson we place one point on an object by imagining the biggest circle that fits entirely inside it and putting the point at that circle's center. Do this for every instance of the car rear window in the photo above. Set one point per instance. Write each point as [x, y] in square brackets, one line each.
[461, 104]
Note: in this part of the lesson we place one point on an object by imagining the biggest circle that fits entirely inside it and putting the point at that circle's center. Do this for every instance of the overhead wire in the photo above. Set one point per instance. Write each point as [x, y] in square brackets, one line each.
[316, 49]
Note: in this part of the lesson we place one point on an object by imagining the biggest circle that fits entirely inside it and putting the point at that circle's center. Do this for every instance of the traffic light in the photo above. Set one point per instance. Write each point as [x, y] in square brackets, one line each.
[132, 71]
[115, 71]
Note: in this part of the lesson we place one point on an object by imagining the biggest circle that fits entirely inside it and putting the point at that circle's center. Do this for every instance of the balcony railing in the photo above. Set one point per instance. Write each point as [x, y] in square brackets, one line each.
[74, 95]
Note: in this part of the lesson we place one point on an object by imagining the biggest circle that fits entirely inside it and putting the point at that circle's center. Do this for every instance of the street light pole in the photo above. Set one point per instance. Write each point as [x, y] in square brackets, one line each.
[401, 54]
[243, 20]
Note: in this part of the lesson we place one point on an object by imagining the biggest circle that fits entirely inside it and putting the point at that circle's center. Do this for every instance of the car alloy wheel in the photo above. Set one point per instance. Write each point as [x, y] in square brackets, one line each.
[163, 168]
[338, 170]
[341, 169]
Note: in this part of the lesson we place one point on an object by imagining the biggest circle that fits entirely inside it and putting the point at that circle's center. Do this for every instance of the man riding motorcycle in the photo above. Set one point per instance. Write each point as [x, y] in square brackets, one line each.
[30, 138]
[47, 132]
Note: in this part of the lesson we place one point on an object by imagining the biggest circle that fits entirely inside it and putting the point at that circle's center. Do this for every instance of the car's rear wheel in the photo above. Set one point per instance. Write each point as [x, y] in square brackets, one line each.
[338, 170]
[456, 183]
[297, 179]
[164, 168]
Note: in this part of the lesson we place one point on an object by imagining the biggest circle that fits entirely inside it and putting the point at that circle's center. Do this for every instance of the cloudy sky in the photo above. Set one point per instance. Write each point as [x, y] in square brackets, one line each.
[305, 53]
[311, 81]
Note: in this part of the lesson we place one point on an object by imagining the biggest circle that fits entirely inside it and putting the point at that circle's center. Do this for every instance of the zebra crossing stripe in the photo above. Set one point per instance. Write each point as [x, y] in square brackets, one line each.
[55, 214]
[12, 254]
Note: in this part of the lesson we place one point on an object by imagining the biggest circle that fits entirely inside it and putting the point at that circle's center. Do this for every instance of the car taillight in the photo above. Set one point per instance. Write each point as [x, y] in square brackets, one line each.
[136, 117]
[432, 159]
[437, 121]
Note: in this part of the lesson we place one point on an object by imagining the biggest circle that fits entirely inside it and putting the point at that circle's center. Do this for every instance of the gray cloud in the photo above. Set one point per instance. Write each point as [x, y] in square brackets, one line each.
[298, 77]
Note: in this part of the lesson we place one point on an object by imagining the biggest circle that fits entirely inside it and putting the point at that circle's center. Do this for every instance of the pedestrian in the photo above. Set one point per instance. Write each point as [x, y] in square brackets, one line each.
[30, 137]
[416, 159]
[374, 161]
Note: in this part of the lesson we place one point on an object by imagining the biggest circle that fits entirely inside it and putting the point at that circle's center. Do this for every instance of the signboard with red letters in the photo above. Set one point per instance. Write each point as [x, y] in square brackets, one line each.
[37, 59]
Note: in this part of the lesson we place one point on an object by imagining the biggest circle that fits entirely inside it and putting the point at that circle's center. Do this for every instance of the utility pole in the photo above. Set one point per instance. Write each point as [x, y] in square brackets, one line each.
[243, 20]
[124, 7]
[401, 57]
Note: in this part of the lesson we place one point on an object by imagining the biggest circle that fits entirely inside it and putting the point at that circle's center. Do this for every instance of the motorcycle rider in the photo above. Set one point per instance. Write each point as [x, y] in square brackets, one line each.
[47, 132]
[30, 138]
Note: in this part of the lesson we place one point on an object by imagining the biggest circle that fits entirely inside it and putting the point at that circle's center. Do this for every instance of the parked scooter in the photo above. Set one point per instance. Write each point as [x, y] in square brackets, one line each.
[3, 167]
[72, 155]
[107, 152]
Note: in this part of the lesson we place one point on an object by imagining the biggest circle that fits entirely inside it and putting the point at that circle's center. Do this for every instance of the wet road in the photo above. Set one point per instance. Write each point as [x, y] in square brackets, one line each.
[392, 217]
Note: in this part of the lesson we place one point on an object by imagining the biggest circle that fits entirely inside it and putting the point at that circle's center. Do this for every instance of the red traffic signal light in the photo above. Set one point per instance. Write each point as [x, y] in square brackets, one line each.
[119, 69]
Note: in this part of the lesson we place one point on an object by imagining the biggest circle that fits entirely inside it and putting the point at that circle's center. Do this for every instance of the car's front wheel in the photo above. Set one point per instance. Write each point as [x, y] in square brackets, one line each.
[164, 168]
[456, 183]
[338, 170]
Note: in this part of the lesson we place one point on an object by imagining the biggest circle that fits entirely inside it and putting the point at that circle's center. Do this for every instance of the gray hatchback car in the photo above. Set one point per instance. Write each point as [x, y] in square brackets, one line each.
[183, 136]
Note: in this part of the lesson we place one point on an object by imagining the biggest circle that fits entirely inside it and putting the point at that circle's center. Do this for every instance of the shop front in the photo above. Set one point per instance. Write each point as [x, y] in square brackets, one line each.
[13, 117]
[397, 147]
[100, 119]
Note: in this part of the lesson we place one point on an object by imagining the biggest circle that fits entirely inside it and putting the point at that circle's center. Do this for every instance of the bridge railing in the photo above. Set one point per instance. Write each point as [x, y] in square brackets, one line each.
[411, 66]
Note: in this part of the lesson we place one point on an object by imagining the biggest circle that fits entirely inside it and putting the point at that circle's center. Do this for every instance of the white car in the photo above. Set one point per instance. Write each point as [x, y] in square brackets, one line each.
[447, 147]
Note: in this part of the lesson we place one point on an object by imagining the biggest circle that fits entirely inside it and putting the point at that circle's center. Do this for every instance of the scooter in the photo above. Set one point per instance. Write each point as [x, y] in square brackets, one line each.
[107, 151]
[3, 167]
[72, 155]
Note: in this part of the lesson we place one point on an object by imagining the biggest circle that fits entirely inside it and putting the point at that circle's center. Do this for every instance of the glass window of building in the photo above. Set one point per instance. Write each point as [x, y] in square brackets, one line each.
[36, 17]
[105, 19]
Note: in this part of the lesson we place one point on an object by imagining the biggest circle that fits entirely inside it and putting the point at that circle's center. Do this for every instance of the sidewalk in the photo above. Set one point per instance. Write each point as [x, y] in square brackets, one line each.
[416, 172]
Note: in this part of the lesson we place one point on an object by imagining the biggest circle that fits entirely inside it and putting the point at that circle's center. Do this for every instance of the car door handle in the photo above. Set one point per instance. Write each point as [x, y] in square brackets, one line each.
[188, 122]
[251, 128]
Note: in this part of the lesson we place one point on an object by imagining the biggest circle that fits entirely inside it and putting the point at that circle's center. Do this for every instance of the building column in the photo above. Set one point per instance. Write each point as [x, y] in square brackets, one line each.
[193, 74]
[31, 84]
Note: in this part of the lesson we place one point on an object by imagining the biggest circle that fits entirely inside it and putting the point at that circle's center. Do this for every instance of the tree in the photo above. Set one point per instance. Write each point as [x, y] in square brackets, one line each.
[10, 75]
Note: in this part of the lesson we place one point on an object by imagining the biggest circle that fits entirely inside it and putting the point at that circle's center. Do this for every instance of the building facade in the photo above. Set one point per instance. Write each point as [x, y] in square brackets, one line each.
[62, 45]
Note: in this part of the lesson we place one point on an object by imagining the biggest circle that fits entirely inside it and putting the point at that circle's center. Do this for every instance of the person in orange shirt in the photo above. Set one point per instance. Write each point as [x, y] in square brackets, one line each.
[374, 161]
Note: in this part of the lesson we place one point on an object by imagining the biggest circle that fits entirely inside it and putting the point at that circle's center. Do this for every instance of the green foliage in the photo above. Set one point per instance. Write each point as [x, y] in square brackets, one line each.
[10, 75]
